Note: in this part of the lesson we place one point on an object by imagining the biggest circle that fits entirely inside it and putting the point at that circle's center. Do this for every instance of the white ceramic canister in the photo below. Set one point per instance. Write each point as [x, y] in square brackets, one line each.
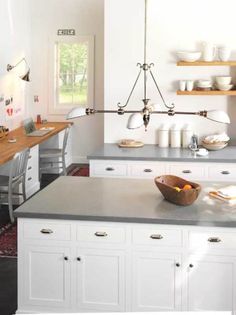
[175, 137]
[187, 133]
[163, 136]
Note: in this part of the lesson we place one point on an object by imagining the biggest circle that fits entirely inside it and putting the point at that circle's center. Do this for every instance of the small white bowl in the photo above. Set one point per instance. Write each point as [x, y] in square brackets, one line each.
[189, 56]
[214, 146]
[224, 87]
[223, 80]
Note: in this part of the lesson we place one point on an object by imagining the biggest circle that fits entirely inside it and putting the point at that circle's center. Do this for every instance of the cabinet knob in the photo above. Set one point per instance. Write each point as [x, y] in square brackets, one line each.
[186, 172]
[29, 168]
[177, 264]
[100, 234]
[66, 258]
[214, 240]
[78, 259]
[30, 178]
[191, 265]
[156, 237]
[46, 231]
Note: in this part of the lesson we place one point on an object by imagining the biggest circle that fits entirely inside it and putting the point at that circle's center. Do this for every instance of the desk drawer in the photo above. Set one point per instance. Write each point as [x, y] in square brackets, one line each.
[212, 240]
[47, 231]
[149, 170]
[101, 234]
[188, 171]
[222, 172]
[157, 237]
[107, 169]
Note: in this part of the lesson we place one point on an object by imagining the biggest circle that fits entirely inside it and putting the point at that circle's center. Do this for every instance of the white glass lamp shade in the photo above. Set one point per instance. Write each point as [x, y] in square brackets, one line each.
[218, 116]
[76, 112]
[135, 121]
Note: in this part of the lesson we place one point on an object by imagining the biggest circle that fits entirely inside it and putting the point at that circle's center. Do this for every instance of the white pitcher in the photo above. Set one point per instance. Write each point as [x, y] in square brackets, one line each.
[209, 51]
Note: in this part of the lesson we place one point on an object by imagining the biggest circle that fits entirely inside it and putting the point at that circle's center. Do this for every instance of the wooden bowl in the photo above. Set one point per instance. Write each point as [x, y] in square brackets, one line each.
[166, 184]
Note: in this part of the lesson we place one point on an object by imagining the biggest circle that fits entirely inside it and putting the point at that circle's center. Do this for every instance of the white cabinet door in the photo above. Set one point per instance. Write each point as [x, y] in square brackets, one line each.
[211, 283]
[156, 284]
[100, 280]
[46, 276]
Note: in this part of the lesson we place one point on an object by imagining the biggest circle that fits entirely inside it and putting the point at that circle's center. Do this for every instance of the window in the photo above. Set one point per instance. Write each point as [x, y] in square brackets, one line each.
[73, 74]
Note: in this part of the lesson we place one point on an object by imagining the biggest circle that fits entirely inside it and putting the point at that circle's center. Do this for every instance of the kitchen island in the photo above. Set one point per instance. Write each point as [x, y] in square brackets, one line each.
[99, 244]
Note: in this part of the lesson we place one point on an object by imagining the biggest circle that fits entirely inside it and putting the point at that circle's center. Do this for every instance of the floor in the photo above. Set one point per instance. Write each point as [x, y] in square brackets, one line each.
[8, 266]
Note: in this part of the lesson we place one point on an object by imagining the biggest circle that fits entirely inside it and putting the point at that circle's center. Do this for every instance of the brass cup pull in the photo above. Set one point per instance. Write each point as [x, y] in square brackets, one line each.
[100, 234]
[46, 231]
[147, 170]
[110, 169]
[214, 240]
[156, 237]
[186, 172]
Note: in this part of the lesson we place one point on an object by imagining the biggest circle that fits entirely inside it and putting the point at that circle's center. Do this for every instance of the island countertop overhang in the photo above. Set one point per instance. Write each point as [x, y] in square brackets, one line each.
[119, 200]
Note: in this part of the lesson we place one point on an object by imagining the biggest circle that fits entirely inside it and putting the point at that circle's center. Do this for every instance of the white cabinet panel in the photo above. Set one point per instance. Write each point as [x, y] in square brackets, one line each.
[46, 276]
[191, 171]
[222, 172]
[100, 280]
[108, 169]
[156, 282]
[211, 282]
[32, 173]
[147, 169]
[100, 234]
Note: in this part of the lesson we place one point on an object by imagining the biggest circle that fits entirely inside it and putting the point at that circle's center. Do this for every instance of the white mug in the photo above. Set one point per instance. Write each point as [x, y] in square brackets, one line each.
[224, 53]
[209, 51]
[182, 85]
[190, 85]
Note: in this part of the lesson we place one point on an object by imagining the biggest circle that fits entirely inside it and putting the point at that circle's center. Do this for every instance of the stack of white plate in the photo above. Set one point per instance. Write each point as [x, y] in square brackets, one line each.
[204, 84]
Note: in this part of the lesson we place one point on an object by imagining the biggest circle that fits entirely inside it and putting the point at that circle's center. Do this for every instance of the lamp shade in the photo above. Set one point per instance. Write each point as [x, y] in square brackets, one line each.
[135, 121]
[76, 112]
[218, 116]
[26, 77]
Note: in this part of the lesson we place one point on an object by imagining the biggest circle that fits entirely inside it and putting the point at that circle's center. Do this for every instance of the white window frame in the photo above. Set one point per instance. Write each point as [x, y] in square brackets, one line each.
[53, 108]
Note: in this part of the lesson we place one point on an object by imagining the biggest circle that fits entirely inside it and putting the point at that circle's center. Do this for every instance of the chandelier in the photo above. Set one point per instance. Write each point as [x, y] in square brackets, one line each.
[139, 118]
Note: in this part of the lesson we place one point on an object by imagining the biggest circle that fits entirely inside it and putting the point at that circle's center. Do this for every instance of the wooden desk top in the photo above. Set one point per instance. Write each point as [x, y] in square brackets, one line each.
[8, 150]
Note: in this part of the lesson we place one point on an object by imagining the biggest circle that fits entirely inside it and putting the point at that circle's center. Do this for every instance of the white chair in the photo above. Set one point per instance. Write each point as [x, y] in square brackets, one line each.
[59, 154]
[8, 184]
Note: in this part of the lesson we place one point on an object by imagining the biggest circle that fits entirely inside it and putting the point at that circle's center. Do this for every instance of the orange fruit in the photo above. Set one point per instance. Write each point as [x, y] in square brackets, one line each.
[187, 187]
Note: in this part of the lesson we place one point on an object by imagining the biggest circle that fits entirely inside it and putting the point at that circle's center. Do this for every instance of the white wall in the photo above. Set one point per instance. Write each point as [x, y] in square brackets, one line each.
[87, 18]
[14, 45]
[173, 26]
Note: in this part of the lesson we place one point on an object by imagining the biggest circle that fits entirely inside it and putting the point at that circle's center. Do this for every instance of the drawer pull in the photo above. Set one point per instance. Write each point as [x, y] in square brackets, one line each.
[29, 168]
[191, 266]
[156, 236]
[177, 264]
[110, 169]
[30, 157]
[186, 172]
[78, 259]
[147, 170]
[66, 258]
[46, 231]
[225, 173]
[100, 234]
[214, 240]
[30, 178]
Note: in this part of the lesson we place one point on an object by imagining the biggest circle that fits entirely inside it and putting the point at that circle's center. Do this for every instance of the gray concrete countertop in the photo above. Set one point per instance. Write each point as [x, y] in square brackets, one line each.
[153, 153]
[123, 200]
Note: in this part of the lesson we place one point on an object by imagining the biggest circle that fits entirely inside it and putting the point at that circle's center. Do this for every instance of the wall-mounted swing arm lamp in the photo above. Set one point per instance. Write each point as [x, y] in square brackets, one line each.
[24, 77]
[139, 118]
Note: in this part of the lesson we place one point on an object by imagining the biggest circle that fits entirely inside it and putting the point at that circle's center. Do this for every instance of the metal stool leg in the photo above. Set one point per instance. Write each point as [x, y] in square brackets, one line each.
[10, 205]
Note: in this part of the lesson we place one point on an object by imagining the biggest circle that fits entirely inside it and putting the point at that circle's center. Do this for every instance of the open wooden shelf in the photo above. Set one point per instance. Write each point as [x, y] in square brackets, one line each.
[215, 92]
[231, 63]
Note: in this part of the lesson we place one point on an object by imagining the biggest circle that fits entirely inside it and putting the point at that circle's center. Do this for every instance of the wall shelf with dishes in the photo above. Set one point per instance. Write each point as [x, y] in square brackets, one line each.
[212, 92]
[231, 63]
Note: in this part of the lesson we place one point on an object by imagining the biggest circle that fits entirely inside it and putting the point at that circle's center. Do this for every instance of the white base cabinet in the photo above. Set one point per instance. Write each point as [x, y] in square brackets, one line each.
[80, 266]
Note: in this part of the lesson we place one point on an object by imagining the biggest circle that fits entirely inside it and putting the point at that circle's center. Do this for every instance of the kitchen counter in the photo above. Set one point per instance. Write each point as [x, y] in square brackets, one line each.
[118, 200]
[153, 153]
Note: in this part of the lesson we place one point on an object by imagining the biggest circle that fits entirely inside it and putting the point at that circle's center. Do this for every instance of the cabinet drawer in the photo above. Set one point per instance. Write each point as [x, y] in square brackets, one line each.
[100, 234]
[147, 170]
[47, 231]
[157, 237]
[222, 172]
[188, 171]
[212, 240]
[109, 169]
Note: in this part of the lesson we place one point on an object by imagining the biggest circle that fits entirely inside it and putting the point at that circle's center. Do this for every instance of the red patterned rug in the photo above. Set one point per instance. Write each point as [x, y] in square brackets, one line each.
[79, 171]
[8, 237]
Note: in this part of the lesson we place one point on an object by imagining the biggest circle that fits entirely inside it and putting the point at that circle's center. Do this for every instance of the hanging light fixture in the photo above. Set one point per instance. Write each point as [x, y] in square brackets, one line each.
[24, 77]
[139, 118]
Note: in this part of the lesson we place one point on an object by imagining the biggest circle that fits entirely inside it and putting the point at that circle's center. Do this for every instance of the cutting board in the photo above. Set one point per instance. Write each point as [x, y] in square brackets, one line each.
[136, 144]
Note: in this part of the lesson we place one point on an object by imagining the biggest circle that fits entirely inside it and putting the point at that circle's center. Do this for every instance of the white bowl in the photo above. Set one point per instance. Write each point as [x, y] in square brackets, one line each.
[214, 146]
[224, 87]
[223, 80]
[189, 56]
[204, 83]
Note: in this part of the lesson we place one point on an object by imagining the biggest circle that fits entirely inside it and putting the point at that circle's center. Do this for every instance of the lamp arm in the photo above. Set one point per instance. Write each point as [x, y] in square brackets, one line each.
[10, 67]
